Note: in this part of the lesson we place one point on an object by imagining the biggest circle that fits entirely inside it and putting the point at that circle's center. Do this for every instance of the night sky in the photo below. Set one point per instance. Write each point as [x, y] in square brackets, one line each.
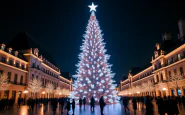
[131, 28]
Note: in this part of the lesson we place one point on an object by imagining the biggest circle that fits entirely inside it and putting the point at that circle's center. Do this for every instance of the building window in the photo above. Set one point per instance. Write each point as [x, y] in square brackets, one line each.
[17, 64]
[9, 76]
[38, 67]
[21, 80]
[169, 74]
[168, 61]
[15, 79]
[175, 72]
[161, 77]
[172, 59]
[37, 76]
[1, 72]
[157, 78]
[179, 56]
[3, 59]
[181, 71]
[22, 66]
[33, 65]
[32, 76]
[11, 62]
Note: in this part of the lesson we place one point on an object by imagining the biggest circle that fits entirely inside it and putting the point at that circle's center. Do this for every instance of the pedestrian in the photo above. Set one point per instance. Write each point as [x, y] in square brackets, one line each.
[125, 103]
[54, 105]
[149, 106]
[68, 107]
[134, 104]
[102, 105]
[173, 109]
[161, 106]
[32, 103]
[61, 101]
[73, 106]
[19, 102]
[80, 102]
[92, 103]
[84, 101]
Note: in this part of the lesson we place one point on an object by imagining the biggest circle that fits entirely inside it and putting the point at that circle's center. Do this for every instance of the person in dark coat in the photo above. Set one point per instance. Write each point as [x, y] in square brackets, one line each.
[73, 106]
[54, 103]
[134, 104]
[84, 101]
[61, 101]
[19, 102]
[68, 107]
[32, 104]
[173, 109]
[92, 103]
[102, 105]
[161, 106]
[149, 106]
[125, 103]
[80, 102]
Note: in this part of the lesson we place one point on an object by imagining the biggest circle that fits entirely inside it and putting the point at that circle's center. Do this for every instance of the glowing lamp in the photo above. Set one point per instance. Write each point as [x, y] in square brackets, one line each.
[43, 92]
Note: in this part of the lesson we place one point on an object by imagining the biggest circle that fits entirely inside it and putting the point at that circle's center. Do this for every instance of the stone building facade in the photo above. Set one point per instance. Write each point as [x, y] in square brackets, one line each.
[165, 74]
[22, 63]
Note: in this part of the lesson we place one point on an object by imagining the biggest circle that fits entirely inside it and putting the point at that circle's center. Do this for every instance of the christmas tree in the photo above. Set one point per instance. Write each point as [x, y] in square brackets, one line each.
[94, 75]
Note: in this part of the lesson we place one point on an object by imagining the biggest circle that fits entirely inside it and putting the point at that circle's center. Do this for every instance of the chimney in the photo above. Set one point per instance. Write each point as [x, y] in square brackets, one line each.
[181, 25]
[166, 36]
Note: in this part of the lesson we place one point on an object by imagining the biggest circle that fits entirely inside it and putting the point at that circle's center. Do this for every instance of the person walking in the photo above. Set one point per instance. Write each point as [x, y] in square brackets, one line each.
[149, 106]
[125, 103]
[102, 105]
[19, 102]
[173, 109]
[134, 104]
[92, 103]
[84, 101]
[68, 107]
[80, 102]
[160, 104]
[61, 101]
[73, 106]
[54, 105]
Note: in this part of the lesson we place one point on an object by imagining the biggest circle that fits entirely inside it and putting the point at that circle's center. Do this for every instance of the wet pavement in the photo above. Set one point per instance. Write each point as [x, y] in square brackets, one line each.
[114, 109]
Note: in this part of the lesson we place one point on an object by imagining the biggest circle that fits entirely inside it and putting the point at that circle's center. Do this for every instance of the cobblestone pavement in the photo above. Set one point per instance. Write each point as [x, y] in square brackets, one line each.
[115, 109]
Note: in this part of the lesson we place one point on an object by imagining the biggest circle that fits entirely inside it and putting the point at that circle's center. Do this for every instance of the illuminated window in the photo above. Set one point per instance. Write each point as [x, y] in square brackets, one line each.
[168, 61]
[179, 56]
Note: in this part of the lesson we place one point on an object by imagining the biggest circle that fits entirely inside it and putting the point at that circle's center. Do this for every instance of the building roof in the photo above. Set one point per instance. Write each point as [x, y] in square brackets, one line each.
[66, 75]
[23, 41]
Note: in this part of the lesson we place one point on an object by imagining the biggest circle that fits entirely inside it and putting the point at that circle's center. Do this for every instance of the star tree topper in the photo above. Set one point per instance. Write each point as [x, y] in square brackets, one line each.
[93, 7]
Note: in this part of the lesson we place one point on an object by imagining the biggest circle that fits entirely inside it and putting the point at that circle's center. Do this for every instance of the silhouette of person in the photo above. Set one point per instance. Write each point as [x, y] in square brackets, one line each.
[84, 101]
[102, 104]
[92, 103]
[80, 102]
[73, 106]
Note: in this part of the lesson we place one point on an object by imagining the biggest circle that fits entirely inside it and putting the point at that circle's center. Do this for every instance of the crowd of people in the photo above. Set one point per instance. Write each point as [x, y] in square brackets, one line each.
[64, 103]
[166, 105]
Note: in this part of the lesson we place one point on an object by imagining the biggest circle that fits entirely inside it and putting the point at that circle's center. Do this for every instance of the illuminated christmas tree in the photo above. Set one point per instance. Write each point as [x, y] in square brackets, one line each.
[94, 75]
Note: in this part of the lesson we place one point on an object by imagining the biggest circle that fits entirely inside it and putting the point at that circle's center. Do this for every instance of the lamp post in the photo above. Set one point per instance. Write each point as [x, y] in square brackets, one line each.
[25, 93]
